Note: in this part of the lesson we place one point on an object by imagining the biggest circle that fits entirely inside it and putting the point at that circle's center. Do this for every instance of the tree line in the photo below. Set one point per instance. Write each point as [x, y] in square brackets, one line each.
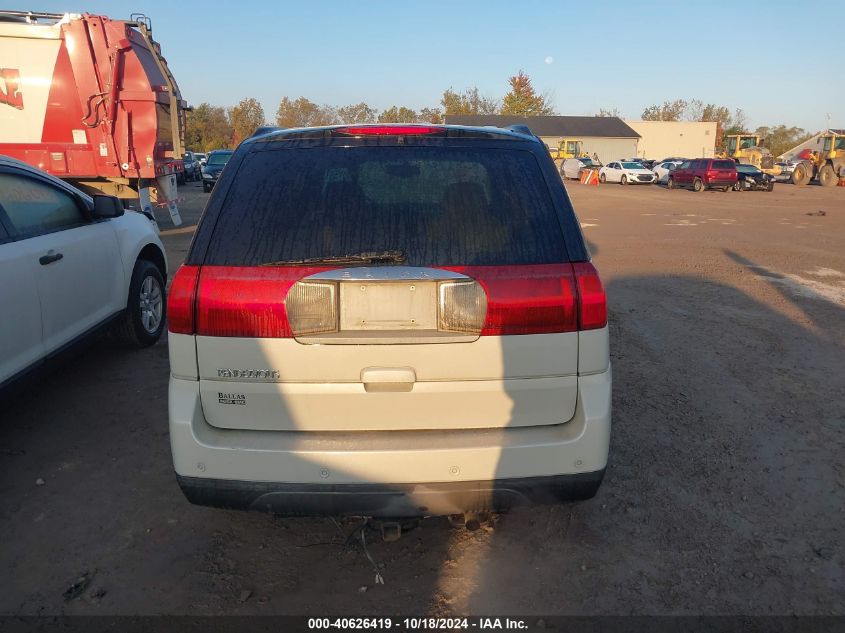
[212, 127]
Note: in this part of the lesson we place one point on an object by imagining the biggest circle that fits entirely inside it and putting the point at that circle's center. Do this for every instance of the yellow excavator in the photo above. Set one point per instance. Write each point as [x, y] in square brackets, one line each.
[748, 149]
[567, 148]
[827, 164]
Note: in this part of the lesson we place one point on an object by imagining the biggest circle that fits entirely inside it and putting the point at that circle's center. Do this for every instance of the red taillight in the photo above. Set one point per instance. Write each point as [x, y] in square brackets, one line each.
[180, 301]
[250, 301]
[246, 301]
[387, 130]
[533, 299]
[592, 300]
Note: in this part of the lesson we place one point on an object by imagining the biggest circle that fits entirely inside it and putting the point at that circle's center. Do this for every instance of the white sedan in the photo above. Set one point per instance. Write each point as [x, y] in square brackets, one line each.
[662, 170]
[71, 265]
[626, 173]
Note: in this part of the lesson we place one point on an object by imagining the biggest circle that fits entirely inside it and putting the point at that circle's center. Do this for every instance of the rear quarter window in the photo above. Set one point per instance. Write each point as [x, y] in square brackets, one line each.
[724, 164]
[437, 205]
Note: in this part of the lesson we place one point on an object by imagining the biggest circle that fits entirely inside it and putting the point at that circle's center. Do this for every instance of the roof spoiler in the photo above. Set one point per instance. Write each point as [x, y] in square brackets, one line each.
[266, 129]
[520, 128]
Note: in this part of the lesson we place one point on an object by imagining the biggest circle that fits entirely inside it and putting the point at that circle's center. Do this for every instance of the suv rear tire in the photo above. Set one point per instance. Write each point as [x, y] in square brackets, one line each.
[142, 322]
[698, 185]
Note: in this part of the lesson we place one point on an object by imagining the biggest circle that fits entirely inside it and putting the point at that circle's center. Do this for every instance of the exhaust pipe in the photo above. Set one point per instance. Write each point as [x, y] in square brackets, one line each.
[472, 521]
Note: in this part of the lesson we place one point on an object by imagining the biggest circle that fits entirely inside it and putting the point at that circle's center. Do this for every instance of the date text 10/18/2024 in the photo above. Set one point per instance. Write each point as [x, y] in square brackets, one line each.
[418, 624]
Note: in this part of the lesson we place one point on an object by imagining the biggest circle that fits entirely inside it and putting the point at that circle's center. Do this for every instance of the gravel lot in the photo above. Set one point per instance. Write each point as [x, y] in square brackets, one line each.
[725, 492]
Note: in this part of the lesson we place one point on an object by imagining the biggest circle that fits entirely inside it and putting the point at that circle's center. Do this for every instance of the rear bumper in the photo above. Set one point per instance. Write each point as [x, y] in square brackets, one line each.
[390, 473]
[721, 183]
[395, 501]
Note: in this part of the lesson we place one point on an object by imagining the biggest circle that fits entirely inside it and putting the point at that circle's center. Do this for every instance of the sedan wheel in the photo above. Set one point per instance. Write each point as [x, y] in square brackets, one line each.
[143, 321]
[623, 180]
[151, 304]
[737, 186]
[602, 178]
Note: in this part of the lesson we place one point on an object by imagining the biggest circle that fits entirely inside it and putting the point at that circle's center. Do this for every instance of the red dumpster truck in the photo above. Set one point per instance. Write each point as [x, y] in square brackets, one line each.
[92, 101]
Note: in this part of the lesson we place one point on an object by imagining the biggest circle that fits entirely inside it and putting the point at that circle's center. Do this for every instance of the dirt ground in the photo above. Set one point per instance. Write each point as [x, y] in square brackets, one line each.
[725, 493]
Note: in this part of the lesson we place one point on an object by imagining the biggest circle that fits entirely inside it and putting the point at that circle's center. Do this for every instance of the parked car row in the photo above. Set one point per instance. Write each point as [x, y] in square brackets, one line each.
[697, 174]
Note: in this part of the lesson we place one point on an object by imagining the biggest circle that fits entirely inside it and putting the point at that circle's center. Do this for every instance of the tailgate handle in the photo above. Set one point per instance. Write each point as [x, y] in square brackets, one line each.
[378, 379]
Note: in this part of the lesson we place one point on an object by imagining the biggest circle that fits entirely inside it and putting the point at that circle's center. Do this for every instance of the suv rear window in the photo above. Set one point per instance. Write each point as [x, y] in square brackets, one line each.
[437, 205]
[724, 164]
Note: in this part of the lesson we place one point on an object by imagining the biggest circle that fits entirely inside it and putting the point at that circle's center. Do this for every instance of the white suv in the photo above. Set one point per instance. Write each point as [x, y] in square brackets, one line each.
[69, 266]
[388, 321]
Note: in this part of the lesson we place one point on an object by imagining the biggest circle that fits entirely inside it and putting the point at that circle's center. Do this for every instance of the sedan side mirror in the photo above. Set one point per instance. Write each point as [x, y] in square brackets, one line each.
[107, 207]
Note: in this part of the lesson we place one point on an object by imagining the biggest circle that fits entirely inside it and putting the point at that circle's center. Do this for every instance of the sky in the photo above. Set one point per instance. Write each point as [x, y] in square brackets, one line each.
[587, 55]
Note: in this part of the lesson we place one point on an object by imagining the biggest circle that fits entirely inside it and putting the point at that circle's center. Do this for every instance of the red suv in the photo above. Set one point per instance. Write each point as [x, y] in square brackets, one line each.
[704, 173]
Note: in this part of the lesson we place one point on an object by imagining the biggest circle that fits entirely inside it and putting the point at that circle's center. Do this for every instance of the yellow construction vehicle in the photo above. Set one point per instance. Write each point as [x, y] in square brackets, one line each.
[747, 149]
[567, 148]
[827, 164]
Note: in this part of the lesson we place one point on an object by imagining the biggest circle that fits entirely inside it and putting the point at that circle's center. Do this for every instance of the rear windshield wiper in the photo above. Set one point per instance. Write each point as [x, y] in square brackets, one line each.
[375, 257]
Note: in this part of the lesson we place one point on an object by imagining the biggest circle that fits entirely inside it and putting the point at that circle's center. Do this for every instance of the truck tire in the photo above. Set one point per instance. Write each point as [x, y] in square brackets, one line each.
[142, 322]
[827, 177]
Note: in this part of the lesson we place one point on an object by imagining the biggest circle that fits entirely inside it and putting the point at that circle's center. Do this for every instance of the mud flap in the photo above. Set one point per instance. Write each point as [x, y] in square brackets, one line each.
[166, 186]
[147, 206]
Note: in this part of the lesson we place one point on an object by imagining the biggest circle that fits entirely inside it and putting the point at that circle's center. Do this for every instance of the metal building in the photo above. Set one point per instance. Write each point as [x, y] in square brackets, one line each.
[608, 137]
[662, 139]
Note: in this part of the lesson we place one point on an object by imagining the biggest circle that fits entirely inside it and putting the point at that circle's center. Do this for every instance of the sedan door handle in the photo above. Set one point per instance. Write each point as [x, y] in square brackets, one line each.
[49, 258]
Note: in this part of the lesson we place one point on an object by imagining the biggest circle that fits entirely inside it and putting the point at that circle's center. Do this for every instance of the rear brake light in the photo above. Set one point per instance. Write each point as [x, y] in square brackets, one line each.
[180, 301]
[592, 300]
[532, 299]
[246, 301]
[387, 130]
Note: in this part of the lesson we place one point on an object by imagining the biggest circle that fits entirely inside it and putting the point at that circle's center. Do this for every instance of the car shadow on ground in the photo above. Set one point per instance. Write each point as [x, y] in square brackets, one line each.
[724, 468]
